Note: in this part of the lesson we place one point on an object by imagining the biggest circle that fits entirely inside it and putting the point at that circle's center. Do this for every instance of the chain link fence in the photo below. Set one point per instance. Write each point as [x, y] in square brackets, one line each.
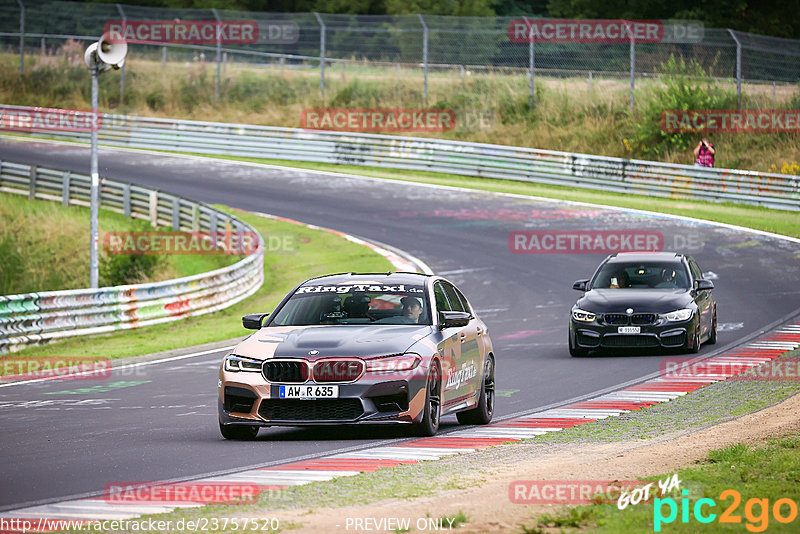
[413, 46]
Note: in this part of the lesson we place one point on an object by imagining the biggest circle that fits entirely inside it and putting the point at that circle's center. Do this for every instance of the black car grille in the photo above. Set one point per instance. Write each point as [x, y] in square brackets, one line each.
[630, 341]
[644, 318]
[615, 318]
[311, 410]
[286, 372]
[620, 319]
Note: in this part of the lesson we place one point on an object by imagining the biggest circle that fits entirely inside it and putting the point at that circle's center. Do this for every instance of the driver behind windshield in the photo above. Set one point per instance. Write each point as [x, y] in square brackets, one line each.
[412, 309]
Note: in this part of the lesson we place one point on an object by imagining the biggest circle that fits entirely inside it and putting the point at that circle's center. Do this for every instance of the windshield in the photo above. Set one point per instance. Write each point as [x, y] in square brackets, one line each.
[660, 275]
[355, 303]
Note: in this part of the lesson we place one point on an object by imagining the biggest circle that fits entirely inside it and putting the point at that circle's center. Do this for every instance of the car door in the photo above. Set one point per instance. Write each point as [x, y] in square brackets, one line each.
[703, 300]
[463, 381]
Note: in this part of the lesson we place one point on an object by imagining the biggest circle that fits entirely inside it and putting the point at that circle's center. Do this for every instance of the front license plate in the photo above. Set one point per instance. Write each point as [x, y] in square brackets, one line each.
[309, 392]
[629, 330]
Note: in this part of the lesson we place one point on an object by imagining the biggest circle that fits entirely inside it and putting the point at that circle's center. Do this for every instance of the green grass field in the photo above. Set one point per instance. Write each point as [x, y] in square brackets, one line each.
[45, 246]
[310, 253]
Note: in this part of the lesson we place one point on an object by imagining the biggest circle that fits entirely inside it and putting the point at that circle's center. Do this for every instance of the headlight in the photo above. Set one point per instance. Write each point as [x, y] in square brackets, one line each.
[677, 315]
[236, 363]
[583, 316]
[400, 362]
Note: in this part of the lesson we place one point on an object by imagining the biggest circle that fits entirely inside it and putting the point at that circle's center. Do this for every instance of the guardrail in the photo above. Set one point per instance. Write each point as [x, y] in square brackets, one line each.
[36, 318]
[455, 157]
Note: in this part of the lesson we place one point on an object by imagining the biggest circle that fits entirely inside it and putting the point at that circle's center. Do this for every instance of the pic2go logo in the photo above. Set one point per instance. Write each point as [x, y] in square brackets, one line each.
[756, 511]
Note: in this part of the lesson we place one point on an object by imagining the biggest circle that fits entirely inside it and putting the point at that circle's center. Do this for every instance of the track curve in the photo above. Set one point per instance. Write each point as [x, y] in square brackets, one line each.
[163, 427]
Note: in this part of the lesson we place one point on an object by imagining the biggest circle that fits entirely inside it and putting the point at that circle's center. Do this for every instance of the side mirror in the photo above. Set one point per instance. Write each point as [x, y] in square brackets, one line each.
[253, 321]
[580, 285]
[703, 285]
[451, 319]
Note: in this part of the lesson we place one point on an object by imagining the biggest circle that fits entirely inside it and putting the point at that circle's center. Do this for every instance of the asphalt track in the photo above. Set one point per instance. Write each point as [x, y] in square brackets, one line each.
[158, 422]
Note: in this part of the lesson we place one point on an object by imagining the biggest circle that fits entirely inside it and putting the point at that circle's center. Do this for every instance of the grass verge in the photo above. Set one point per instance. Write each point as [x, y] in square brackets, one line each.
[754, 485]
[314, 253]
[45, 246]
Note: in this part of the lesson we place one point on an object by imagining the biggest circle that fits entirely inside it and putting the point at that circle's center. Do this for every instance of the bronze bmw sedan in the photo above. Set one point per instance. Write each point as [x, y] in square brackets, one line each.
[355, 348]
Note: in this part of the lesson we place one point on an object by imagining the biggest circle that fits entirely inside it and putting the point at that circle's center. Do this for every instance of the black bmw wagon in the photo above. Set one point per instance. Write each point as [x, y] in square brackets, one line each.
[643, 301]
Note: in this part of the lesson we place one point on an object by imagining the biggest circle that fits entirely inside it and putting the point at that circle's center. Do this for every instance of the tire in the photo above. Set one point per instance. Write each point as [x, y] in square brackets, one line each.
[712, 338]
[432, 411]
[238, 432]
[695, 348]
[482, 413]
[576, 352]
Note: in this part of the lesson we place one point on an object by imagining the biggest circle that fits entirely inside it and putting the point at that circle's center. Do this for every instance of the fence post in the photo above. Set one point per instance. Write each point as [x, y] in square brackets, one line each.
[531, 65]
[321, 56]
[219, 52]
[738, 69]
[591, 83]
[633, 63]
[424, 60]
[21, 38]
[65, 179]
[32, 183]
[122, 70]
[44, 48]
[163, 57]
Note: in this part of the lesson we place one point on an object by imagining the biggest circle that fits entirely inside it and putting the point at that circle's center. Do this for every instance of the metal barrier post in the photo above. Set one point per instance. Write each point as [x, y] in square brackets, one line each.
[163, 57]
[424, 60]
[321, 56]
[738, 69]
[32, 184]
[65, 179]
[126, 200]
[176, 214]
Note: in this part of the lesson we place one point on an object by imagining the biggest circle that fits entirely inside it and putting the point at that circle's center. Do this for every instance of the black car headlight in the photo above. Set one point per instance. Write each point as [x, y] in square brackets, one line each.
[583, 316]
[678, 315]
[236, 363]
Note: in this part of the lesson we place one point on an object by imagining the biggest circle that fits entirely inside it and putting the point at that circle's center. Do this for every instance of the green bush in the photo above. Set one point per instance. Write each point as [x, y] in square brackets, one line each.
[685, 86]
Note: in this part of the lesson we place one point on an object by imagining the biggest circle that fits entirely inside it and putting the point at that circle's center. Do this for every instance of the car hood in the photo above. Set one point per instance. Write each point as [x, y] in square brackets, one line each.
[331, 340]
[641, 300]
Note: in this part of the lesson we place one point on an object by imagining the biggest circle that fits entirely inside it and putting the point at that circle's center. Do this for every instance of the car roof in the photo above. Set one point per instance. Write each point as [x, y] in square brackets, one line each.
[379, 278]
[644, 257]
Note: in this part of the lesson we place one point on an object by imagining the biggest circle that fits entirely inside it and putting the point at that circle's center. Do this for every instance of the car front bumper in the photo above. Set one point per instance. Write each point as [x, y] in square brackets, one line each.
[247, 398]
[597, 336]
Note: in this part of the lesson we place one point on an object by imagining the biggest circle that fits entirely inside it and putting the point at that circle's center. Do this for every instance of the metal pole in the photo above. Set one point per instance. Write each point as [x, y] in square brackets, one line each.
[531, 65]
[633, 64]
[219, 52]
[321, 56]
[738, 69]
[163, 57]
[122, 70]
[21, 38]
[424, 60]
[95, 192]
